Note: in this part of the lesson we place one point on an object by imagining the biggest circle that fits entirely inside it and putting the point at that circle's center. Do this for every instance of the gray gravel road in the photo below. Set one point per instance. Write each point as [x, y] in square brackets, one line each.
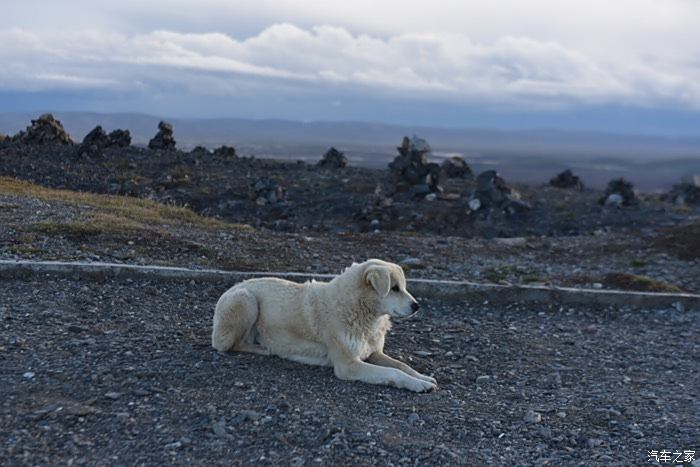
[122, 373]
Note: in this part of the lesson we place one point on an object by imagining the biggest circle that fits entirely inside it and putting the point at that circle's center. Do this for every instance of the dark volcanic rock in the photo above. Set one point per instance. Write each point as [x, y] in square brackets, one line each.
[228, 152]
[333, 159]
[268, 191]
[492, 191]
[411, 166]
[44, 130]
[164, 138]
[120, 138]
[567, 179]
[456, 167]
[685, 193]
[200, 151]
[619, 192]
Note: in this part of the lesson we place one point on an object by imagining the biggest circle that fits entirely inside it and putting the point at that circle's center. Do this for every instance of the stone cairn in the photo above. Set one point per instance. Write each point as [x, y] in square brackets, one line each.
[44, 130]
[619, 192]
[567, 180]
[163, 140]
[456, 167]
[493, 192]
[411, 169]
[226, 152]
[97, 140]
[333, 159]
[685, 193]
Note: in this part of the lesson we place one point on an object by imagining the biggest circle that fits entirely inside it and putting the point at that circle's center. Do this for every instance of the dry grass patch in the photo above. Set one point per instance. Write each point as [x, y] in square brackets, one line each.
[119, 212]
[624, 281]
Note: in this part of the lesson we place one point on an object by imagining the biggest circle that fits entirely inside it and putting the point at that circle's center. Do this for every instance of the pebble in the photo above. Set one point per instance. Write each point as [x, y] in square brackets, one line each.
[29, 374]
[532, 417]
[483, 379]
[113, 395]
[413, 418]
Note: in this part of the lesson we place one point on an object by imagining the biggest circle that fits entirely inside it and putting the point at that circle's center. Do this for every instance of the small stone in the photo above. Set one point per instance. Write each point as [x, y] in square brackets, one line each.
[28, 375]
[614, 199]
[413, 418]
[219, 428]
[423, 353]
[532, 417]
[175, 445]
[431, 197]
[561, 414]
[474, 204]
[483, 379]
[113, 395]
[597, 285]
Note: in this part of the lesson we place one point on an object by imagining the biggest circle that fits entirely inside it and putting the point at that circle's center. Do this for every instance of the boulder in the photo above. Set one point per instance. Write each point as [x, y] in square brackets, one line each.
[493, 192]
[333, 159]
[163, 140]
[120, 138]
[568, 180]
[411, 166]
[44, 130]
[228, 152]
[619, 192]
[685, 193]
[267, 191]
[456, 167]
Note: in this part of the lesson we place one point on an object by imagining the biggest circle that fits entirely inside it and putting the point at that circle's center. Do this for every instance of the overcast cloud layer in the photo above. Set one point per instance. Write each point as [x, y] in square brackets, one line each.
[543, 55]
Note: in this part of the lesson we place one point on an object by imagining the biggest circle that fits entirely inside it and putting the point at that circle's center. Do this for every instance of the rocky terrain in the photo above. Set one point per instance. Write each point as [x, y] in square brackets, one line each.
[122, 372]
[414, 195]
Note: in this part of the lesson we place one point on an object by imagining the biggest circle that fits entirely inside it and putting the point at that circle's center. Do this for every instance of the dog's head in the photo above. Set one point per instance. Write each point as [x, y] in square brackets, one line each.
[387, 283]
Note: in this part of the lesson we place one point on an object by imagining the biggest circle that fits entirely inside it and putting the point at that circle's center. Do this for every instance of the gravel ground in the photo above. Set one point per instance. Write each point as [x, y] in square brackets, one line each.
[41, 229]
[122, 373]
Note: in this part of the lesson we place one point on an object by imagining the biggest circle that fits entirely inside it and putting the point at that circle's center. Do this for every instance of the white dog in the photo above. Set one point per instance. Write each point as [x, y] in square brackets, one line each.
[340, 323]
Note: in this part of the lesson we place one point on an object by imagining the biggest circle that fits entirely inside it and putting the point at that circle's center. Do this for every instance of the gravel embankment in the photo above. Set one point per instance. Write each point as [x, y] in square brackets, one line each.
[122, 373]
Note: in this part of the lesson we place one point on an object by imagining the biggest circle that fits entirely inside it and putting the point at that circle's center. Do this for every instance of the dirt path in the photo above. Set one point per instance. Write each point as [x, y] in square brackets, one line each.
[122, 373]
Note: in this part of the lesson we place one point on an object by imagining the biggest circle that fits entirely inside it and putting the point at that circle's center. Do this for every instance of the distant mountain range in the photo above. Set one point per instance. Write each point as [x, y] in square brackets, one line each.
[653, 162]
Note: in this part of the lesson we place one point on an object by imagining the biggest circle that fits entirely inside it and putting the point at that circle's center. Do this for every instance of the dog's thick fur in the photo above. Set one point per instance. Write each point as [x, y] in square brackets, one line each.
[340, 323]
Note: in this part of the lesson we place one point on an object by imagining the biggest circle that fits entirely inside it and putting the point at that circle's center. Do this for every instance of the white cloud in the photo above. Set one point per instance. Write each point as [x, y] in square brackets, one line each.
[415, 60]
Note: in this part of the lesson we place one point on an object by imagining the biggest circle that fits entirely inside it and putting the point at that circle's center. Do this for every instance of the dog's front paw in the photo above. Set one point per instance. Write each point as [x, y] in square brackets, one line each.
[427, 378]
[420, 385]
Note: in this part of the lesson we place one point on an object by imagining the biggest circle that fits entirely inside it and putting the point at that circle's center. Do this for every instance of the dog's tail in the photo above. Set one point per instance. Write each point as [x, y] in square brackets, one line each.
[234, 317]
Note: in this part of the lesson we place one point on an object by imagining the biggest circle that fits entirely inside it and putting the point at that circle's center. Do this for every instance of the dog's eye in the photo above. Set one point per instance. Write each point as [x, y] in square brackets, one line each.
[395, 288]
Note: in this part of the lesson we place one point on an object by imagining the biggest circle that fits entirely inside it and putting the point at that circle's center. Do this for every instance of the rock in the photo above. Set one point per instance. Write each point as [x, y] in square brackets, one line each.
[483, 379]
[113, 395]
[227, 152]
[28, 375]
[410, 262]
[624, 190]
[267, 191]
[163, 140]
[120, 138]
[493, 192]
[411, 166]
[431, 197]
[685, 193]
[413, 418]
[44, 130]
[567, 179]
[333, 159]
[532, 417]
[456, 167]
[474, 204]
[614, 199]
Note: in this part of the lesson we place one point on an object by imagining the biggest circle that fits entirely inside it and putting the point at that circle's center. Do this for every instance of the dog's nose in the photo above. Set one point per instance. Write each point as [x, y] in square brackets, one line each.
[414, 306]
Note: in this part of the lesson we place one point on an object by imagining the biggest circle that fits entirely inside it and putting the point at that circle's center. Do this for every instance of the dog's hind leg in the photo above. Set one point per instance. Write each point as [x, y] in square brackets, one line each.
[234, 320]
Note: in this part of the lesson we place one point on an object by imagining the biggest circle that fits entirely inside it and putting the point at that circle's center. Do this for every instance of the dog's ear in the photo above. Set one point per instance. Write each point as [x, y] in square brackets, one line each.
[378, 277]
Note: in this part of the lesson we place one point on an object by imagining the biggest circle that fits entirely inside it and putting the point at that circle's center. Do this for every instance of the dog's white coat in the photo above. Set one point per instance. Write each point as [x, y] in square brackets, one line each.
[341, 323]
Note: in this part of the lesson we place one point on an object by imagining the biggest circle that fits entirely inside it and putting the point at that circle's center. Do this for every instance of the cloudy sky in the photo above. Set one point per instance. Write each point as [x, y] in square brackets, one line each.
[622, 65]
